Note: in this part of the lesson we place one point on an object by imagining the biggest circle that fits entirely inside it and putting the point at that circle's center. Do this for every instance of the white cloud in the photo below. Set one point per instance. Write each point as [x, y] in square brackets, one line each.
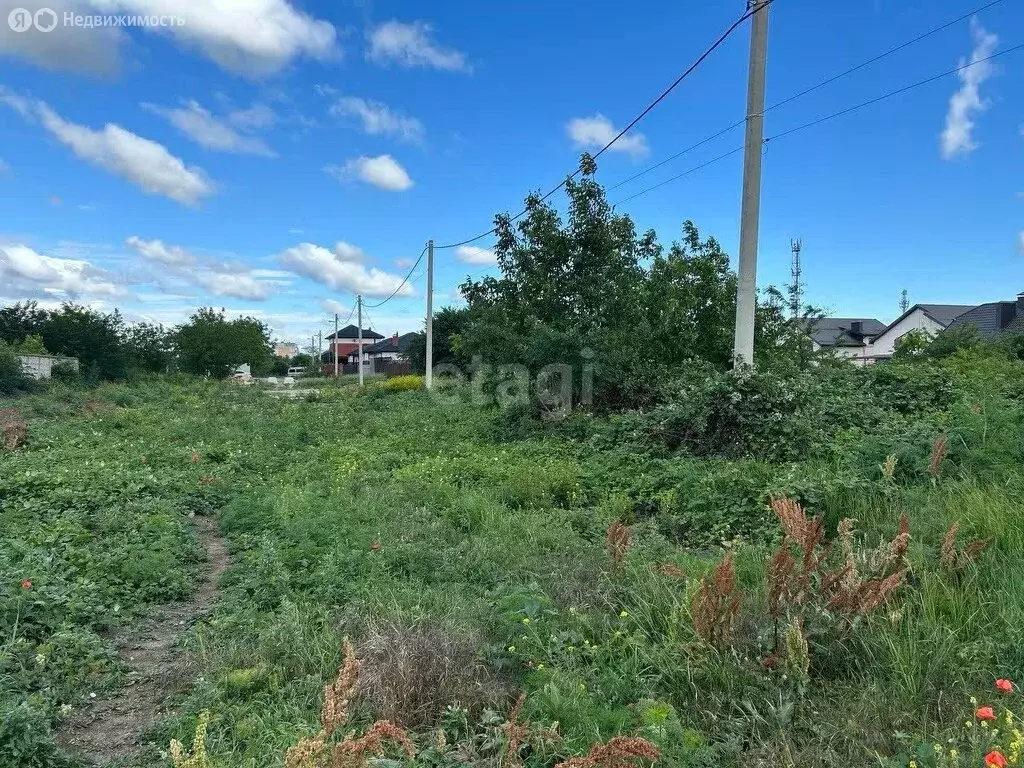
[23, 271]
[595, 132]
[411, 45]
[383, 172]
[141, 161]
[247, 37]
[240, 285]
[255, 117]
[5, 169]
[471, 254]
[209, 131]
[404, 263]
[378, 119]
[76, 49]
[155, 250]
[966, 103]
[327, 267]
[348, 252]
[220, 279]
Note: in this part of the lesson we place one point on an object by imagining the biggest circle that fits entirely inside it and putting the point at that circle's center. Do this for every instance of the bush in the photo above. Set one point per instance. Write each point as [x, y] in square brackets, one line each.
[401, 383]
[13, 378]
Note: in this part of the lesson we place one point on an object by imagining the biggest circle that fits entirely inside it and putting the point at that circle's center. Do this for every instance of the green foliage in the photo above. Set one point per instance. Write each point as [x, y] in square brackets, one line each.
[211, 345]
[449, 325]
[12, 376]
[591, 293]
[403, 507]
[91, 336]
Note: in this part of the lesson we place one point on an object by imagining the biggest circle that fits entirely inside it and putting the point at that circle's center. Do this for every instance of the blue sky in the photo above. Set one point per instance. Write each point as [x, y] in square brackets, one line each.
[275, 157]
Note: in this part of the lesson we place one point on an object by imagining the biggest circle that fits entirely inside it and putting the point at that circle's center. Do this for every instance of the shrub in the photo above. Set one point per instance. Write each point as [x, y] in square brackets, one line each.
[401, 383]
[413, 671]
[13, 378]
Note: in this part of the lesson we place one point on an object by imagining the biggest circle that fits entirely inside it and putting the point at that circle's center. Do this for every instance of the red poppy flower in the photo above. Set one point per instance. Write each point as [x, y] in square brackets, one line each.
[985, 713]
[195, 458]
[375, 546]
[26, 584]
[1006, 686]
[995, 759]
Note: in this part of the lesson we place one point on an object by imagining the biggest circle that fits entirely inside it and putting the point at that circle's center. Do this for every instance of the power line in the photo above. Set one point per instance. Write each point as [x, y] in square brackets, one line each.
[400, 285]
[826, 118]
[700, 60]
[897, 92]
[794, 97]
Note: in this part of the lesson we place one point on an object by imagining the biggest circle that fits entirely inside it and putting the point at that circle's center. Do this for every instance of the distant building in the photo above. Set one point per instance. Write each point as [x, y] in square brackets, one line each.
[847, 337]
[995, 318]
[930, 318]
[346, 341]
[285, 349]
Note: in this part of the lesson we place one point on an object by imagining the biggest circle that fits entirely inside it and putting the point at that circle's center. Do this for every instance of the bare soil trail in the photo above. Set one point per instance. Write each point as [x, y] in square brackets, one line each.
[111, 727]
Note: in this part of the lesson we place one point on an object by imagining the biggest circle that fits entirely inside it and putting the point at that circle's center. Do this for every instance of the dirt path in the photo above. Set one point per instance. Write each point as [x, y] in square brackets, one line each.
[111, 727]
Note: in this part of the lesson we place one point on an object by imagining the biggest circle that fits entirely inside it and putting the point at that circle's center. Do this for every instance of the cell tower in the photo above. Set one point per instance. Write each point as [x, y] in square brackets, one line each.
[796, 288]
[904, 301]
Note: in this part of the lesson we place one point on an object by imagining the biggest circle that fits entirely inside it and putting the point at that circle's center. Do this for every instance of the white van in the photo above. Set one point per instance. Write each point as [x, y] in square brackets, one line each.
[296, 371]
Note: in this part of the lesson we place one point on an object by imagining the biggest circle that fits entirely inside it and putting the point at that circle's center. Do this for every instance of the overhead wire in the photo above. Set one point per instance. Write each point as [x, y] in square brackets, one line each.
[795, 96]
[700, 60]
[400, 285]
[826, 118]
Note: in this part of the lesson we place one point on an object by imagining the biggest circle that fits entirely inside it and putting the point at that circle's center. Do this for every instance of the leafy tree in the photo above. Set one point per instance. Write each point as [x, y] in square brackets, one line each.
[90, 335]
[953, 339]
[449, 325]
[21, 320]
[31, 345]
[911, 344]
[12, 375]
[691, 294]
[211, 345]
[148, 348]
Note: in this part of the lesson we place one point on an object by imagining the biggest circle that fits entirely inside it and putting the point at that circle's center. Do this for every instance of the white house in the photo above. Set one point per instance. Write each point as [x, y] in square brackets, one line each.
[847, 337]
[930, 318]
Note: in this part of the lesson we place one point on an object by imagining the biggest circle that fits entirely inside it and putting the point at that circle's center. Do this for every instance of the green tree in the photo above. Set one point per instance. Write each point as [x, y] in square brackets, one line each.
[210, 345]
[92, 336]
[21, 320]
[449, 325]
[148, 348]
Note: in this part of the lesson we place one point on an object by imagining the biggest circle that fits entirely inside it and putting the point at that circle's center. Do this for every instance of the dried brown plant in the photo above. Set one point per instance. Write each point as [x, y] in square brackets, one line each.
[952, 558]
[352, 751]
[716, 604]
[889, 468]
[939, 450]
[516, 732]
[619, 752]
[13, 428]
[671, 571]
[617, 543]
[801, 581]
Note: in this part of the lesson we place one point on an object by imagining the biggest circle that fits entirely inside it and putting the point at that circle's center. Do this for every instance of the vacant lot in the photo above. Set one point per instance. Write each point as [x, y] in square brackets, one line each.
[470, 555]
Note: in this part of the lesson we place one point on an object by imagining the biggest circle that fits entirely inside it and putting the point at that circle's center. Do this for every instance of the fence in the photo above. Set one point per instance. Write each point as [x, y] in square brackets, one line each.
[389, 368]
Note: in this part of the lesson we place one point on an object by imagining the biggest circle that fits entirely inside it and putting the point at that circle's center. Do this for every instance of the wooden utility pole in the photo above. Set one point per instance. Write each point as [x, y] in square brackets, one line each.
[359, 303]
[429, 381]
[335, 345]
[746, 290]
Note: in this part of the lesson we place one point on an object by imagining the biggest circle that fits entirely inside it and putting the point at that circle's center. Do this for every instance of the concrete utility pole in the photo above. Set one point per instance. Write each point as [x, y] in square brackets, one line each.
[319, 347]
[746, 290]
[312, 351]
[359, 303]
[430, 315]
[335, 345]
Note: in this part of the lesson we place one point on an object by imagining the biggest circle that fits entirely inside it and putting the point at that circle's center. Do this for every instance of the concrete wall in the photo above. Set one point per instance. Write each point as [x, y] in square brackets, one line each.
[41, 366]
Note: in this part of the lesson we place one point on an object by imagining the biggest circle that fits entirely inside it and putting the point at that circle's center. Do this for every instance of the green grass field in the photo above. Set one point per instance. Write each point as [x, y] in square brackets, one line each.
[468, 562]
